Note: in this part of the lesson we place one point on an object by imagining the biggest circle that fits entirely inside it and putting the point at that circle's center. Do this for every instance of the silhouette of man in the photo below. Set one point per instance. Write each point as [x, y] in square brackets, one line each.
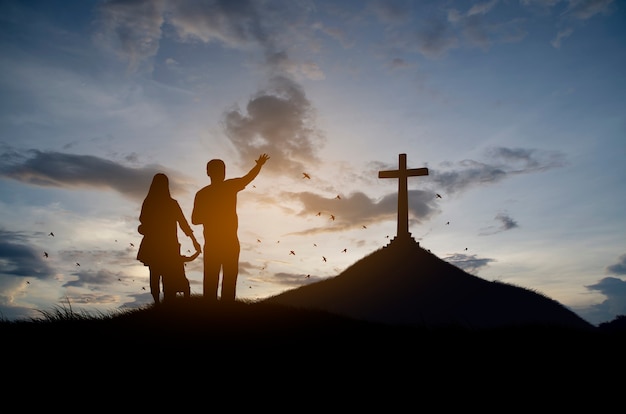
[215, 207]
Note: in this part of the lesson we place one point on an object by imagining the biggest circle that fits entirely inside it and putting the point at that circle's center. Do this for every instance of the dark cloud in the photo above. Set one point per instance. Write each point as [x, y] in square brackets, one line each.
[21, 259]
[502, 162]
[507, 222]
[469, 263]
[615, 291]
[278, 121]
[294, 280]
[70, 171]
[357, 209]
[435, 38]
[618, 268]
[615, 304]
[89, 277]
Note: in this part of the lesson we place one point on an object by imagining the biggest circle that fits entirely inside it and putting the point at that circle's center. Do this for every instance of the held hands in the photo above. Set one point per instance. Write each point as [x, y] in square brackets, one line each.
[262, 159]
[196, 245]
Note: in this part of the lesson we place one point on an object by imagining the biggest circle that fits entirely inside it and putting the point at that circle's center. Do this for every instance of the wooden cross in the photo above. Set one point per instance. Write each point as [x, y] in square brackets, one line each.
[403, 197]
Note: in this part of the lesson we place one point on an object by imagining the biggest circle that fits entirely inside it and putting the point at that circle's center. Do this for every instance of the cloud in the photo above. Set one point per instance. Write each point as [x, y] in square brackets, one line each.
[615, 291]
[279, 121]
[502, 162]
[391, 11]
[506, 223]
[562, 34]
[70, 171]
[469, 263]
[435, 38]
[586, 9]
[482, 8]
[134, 29]
[234, 24]
[131, 28]
[618, 268]
[20, 259]
[615, 304]
[357, 209]
[88, 277]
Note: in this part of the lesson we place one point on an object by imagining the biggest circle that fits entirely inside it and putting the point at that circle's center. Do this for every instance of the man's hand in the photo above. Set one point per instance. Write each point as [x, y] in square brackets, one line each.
[262, 159]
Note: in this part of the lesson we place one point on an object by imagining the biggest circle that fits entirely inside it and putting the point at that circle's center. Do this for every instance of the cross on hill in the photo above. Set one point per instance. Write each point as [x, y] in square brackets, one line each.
[402, 173]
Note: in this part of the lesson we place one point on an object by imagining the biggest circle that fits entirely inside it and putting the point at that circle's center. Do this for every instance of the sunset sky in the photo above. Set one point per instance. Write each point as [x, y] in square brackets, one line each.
[516, 107]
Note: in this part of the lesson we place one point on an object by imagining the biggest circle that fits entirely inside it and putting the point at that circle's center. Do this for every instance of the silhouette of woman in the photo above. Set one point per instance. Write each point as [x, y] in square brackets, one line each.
[159, 220]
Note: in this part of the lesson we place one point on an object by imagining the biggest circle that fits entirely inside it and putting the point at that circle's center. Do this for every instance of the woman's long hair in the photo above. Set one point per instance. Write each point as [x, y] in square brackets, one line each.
[159, 189]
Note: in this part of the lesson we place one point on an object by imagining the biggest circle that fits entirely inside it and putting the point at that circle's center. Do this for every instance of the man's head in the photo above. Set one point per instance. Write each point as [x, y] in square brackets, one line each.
[216, 169]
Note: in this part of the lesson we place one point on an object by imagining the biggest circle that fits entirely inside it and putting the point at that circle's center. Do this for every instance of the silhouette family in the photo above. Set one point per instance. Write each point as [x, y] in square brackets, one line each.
[215, 208]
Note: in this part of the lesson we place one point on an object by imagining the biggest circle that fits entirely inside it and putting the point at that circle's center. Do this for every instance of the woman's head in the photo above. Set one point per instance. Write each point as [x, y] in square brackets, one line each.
[160, 186]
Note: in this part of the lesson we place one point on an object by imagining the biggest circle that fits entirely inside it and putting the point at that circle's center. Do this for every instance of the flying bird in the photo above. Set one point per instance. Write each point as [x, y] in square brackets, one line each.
[143, 287]
[132, 245]
[364, 226]
[332, 217]
[45, 254]
[338, 197]
[258, 241]
[447, 223]
[292, 252]
[305, 175]
[438, 195]
[323, 258]
[319, 213]
[344, 251]
[51, 234]
[77, 264]
[27, 282]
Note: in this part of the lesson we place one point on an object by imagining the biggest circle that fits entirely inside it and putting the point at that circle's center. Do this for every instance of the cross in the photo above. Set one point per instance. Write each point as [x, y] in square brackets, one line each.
[403, 198]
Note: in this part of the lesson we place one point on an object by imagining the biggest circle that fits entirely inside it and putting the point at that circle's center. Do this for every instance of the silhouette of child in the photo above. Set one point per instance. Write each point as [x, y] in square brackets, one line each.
[175, 280]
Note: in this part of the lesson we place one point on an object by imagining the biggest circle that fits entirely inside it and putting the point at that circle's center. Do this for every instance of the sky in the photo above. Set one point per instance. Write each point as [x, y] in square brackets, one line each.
[516, 107]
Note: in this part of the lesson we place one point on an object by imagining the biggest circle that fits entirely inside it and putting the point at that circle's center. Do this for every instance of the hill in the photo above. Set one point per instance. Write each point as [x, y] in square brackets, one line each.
[404, 284]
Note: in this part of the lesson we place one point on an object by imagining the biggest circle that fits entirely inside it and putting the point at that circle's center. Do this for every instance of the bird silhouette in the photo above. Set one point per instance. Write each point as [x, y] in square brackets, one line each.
[338, 197]
[292, 252]
[132, 245]
[438, 195]
[258, 241]
[45, 254]
[51, 234]
[305, 175]
[332, 217]
[344, 251]
[143, 288]
[323, 258]
[364, 226]
[447, 223]
[77, 264]
[319, 213]
[27, 282]
[308, 275]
